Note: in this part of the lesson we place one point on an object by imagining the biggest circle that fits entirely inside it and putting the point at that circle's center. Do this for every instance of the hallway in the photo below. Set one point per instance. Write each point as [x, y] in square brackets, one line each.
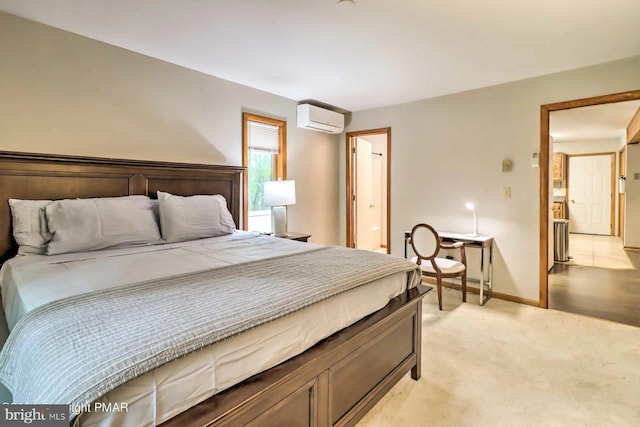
[601, 280]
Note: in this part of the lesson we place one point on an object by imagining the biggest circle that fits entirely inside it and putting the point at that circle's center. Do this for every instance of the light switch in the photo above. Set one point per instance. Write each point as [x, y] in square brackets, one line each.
[535, 159]
[506, 165]
[506, 192]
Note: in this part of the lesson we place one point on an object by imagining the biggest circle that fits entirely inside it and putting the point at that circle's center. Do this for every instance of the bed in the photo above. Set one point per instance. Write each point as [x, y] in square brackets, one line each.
[334, 382]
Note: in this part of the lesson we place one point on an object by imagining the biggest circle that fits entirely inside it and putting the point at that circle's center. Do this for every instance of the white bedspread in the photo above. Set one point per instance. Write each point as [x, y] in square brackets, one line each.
[30, 281]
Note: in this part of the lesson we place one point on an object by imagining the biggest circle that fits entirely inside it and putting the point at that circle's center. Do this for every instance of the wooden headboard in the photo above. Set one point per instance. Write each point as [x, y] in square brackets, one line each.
[43, 176]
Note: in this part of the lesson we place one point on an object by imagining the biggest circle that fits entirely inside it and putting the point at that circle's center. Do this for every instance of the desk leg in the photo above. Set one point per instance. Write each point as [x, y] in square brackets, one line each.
[482, 276]
[484, 299]
[405, 246]
[490, 293]
[407, 236]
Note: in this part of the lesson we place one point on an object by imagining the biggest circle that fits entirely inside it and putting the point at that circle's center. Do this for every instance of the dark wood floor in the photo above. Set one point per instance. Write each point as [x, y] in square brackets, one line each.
[612, 294]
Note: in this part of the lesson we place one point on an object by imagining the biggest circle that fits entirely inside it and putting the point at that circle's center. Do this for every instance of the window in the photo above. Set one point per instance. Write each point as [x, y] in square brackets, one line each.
[264, 156]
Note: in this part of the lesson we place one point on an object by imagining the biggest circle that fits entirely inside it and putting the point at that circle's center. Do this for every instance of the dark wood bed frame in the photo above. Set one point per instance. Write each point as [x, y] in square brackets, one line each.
[333, 383]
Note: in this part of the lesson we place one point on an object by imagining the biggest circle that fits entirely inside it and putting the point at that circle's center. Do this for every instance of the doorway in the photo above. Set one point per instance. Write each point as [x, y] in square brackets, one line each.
[368, 183]
[545, 223]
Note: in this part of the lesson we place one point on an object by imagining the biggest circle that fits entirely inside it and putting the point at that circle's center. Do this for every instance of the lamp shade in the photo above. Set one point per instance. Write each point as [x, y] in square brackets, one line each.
[280, 193]
[472, 208]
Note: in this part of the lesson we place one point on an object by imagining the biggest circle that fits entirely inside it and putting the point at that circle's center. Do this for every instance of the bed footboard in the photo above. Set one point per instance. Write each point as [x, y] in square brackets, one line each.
[334, 383]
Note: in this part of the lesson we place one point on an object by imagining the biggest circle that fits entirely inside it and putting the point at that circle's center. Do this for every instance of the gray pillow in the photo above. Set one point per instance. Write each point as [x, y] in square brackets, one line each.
[193, 217]
[29, 228]
[78, 225]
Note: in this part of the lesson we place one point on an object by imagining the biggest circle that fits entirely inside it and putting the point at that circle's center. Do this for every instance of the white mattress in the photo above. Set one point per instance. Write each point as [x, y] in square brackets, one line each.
[30, 281]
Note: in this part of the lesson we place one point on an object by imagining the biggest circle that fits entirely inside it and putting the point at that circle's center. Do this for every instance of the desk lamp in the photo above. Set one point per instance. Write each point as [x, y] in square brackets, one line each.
[279, 194]
[470, 206]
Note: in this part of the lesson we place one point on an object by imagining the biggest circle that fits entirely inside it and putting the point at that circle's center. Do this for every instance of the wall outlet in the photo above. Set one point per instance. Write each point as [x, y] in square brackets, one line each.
[506, 192]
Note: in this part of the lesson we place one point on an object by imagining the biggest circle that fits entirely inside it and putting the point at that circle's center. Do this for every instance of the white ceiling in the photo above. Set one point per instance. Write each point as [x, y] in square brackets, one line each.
[592, 123]
[378, 52]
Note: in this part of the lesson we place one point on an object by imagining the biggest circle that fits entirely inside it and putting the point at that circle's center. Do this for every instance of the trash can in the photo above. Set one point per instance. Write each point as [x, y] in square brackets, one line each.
[561, 240]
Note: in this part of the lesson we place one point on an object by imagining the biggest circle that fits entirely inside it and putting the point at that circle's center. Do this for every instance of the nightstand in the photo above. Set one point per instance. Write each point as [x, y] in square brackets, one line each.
[301, 237]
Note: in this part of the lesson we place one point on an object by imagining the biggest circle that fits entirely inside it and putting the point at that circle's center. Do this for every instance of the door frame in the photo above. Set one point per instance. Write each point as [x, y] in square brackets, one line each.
[350, 193]
[545, 160]
[622, 171]
[612, 200]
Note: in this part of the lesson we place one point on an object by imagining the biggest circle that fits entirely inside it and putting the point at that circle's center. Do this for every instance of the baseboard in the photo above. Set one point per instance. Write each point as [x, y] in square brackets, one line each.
[631, 248]
[514, 298]
[474, 290]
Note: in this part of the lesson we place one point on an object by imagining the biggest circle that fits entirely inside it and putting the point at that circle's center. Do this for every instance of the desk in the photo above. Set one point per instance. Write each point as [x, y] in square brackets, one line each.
[481, 242]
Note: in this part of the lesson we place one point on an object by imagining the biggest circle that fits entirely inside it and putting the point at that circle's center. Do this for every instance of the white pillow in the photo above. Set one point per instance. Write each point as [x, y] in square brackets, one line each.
[78, 225]
[29, 227]
[193, 217]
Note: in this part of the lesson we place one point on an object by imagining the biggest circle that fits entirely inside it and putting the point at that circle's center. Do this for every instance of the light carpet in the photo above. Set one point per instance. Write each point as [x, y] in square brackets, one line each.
[508, 364]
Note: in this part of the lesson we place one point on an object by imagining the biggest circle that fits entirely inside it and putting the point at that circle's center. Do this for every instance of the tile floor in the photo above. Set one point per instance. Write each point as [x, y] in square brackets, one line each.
[601, 280]
[598, 251]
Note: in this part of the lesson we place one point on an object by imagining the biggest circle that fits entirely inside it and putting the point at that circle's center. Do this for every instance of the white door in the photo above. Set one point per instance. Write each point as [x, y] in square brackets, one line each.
[589, 194]
[363, 195]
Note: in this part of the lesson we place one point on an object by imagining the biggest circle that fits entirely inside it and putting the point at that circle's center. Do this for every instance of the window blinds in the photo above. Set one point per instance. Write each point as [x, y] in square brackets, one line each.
[263, 137]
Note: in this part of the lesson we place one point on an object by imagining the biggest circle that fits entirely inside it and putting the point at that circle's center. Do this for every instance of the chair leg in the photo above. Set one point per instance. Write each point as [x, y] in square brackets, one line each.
[464, 287]
[439, 282]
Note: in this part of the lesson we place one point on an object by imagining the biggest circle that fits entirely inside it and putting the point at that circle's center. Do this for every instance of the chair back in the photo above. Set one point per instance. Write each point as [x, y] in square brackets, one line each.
[425, 241]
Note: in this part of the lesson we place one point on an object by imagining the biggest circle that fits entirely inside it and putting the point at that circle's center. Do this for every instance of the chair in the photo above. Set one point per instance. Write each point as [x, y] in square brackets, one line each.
[426, 244]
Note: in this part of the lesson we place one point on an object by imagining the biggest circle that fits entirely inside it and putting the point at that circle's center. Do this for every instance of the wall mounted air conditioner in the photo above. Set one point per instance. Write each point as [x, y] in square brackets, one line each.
[320, 119]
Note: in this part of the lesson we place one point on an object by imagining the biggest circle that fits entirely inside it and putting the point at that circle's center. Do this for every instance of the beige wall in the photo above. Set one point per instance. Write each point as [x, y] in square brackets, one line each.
[65, 94]
[448, 150]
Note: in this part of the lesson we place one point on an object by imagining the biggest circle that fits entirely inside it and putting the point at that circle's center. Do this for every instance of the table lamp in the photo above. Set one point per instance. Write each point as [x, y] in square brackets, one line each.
[279, 194]
[470, 206]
